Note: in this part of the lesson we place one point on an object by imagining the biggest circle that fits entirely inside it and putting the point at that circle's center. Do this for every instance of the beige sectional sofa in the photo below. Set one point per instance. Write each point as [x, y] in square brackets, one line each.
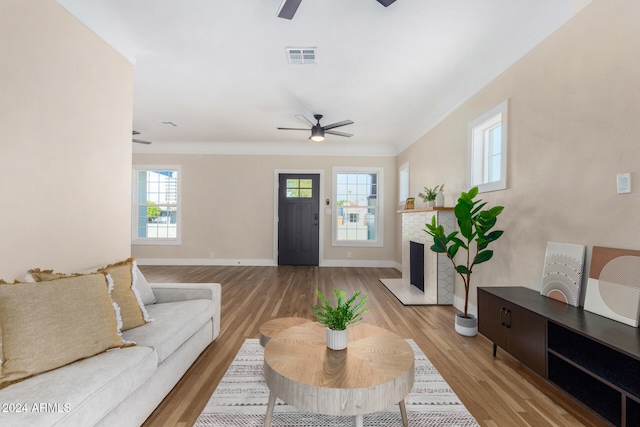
[122, 386]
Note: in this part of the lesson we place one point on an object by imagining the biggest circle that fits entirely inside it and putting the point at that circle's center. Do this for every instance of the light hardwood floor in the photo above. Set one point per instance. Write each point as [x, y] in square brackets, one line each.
[497, 391]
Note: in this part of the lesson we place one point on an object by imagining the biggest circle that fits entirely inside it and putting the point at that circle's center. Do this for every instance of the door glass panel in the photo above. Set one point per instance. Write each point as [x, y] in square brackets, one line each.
[299, 188]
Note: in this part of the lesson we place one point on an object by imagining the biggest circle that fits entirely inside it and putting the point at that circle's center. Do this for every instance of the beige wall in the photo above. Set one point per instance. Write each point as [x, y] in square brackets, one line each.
[228, 208]
[65, 148]
[573, 125]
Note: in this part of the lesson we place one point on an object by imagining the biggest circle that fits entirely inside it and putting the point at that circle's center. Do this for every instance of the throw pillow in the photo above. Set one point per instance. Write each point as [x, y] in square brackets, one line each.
[124, 292]
[46, 327]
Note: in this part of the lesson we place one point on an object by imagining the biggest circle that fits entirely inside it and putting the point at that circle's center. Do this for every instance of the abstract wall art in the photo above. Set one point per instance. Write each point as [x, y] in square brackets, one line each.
[613, 288]
[562, 274]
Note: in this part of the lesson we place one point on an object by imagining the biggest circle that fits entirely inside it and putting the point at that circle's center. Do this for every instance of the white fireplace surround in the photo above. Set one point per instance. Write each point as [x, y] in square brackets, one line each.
[439, 274]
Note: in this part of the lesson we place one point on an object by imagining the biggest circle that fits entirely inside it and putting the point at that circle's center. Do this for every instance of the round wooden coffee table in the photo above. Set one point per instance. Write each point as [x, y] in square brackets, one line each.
[274, 326]
[374, 372]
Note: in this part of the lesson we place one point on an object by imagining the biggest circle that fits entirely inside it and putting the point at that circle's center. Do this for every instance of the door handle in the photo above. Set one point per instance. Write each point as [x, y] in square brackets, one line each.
[502, 312]
[508, 318]
[316, 217]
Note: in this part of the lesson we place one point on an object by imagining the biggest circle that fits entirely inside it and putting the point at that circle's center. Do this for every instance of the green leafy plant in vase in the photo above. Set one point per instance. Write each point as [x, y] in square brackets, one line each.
[430, 194]
[337, 318]
[475, 225]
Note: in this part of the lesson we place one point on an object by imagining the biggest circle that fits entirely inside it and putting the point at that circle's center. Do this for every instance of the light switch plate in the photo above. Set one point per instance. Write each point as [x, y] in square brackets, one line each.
[624, 183]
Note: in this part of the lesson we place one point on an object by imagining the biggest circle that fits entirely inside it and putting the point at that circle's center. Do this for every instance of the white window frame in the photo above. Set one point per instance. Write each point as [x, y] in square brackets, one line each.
[135, 240]
[379, 241]
[498, 115]
[403, 184]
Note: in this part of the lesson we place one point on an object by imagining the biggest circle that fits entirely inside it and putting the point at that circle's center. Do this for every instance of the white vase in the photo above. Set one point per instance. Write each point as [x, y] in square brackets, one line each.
[337, 340]
[440, 199]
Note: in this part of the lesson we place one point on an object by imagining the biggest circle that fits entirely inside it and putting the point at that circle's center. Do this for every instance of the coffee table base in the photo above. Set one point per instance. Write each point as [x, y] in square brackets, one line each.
[358, 420]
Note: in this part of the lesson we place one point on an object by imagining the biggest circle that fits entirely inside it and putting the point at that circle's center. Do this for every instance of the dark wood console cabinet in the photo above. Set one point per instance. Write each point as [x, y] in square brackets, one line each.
[594, 359]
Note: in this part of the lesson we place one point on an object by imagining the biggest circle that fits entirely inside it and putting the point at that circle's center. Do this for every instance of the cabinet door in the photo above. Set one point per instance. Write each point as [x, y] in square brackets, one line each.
[490, 318]
[526, 338]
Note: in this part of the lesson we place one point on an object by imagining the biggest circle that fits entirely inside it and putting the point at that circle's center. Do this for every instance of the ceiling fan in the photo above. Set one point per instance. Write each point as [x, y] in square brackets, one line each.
[317, 131]
[288, 8]
[139, 141]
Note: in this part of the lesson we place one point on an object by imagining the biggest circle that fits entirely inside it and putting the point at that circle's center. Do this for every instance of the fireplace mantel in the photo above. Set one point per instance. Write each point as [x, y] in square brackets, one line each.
[425, 210]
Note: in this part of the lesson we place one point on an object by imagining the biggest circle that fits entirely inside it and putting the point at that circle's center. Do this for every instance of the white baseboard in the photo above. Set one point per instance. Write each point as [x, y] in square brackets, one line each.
[356, 263]
[398, 266]
[204, 261]
[260, 262]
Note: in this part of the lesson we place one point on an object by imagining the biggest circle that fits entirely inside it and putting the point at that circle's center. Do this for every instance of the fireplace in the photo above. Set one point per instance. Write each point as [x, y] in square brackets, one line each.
[416, 264]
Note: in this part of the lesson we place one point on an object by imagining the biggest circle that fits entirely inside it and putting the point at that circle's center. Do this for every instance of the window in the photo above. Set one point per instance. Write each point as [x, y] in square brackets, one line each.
[156, 205]
[301, 188]
[357, 195]
[403, 184]
[488, 150]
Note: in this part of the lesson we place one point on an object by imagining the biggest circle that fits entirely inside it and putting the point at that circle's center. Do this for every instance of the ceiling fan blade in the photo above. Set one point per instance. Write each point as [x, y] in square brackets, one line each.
[288, 8]
[335, 125]
[293, 129]
[386, 3]
[333, 132]
[304, 120]
[141, 141]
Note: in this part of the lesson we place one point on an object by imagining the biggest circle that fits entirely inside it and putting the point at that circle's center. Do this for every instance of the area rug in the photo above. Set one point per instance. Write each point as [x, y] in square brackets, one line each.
[240, 400]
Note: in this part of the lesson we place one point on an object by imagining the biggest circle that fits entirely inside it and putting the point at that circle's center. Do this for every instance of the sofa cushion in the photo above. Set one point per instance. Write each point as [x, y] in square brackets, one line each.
[81, 393]
[175, 323]
[45, 326]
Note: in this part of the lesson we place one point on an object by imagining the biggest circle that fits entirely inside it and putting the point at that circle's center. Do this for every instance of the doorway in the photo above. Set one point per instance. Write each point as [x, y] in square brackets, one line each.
[298, 218]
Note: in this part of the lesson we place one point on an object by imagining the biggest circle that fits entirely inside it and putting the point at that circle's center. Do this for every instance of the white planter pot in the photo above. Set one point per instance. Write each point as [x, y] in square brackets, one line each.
[440, 199]
[431, 203]
[467, 326]
[337, 340]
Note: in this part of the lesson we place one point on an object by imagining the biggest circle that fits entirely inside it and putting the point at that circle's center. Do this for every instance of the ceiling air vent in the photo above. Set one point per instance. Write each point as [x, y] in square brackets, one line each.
[302, 55]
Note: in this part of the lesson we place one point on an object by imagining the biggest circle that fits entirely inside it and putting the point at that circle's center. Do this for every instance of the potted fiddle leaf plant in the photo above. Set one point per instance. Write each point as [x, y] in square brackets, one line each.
[337, 318]
[475, 224]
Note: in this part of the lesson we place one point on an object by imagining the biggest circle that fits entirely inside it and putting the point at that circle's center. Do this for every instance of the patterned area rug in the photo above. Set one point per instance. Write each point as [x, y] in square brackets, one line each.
[240, 400]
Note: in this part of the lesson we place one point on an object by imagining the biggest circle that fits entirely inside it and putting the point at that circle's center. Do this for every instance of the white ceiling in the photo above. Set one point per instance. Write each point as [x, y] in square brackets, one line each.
[218, 69]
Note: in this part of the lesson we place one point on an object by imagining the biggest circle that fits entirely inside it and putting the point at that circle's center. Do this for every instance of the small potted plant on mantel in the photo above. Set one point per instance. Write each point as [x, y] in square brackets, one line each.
[475, 226]
[336, 319]
[429, 196]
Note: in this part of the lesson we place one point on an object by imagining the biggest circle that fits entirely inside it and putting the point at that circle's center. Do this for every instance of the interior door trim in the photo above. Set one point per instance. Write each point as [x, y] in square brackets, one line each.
[323, 207]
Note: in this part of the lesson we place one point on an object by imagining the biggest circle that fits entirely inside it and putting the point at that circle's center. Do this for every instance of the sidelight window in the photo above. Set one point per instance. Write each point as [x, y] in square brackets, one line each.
[357, 207]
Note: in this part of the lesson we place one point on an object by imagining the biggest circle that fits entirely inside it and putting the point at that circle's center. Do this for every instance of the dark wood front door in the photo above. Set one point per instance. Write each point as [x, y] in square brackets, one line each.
[298, 219]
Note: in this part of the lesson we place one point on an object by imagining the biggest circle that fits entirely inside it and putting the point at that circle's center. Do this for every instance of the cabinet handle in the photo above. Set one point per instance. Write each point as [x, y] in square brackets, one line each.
[508, 317]
[502, 311]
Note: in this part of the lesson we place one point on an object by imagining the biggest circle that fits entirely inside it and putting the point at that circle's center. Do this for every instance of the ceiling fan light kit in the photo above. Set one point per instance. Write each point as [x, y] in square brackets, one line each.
[317, 134]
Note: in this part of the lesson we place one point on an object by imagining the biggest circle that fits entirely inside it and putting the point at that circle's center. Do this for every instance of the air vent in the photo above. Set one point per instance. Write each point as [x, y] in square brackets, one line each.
[169, 123]
[302, 55]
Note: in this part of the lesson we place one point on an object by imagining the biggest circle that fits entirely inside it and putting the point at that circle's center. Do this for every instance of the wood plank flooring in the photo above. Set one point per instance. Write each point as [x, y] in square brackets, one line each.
[497, 391]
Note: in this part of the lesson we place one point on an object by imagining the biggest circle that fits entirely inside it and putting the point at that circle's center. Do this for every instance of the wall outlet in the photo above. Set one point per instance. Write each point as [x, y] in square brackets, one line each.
[349, 254]
[211, 255]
